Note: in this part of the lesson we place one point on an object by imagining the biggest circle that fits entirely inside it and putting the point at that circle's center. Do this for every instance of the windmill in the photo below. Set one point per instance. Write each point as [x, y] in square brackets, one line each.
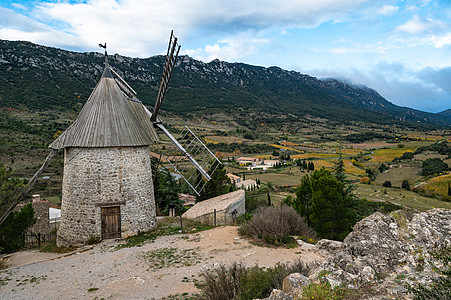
[188, 156]
[107, 179]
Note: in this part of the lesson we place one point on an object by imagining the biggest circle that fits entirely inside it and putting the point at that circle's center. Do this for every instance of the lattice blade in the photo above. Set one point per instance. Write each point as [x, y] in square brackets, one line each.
[190, 158]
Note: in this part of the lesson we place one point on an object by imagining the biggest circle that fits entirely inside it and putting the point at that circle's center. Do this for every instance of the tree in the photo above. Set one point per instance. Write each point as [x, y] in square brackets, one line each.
[387, 183]
[382, 168]
[10, 188]
[321, 200]
[13, 229]
[218, 185]
[433, 166]
[166, 191]
[405, 185]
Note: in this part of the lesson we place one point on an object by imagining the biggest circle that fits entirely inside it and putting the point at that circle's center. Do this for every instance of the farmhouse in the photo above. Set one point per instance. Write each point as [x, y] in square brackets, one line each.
[245, 161]
[234, 179]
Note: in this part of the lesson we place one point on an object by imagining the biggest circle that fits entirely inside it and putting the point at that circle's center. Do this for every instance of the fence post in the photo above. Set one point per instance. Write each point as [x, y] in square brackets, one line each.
[181, 223]
[214, 218]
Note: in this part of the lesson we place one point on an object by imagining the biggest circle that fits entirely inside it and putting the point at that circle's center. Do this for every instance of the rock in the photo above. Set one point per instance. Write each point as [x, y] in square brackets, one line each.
[328, 248]
[293, 284]
[382, 248]
[279, 295]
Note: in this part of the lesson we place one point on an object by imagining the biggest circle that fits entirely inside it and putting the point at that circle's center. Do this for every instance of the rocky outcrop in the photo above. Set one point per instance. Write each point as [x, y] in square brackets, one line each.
[387, 251]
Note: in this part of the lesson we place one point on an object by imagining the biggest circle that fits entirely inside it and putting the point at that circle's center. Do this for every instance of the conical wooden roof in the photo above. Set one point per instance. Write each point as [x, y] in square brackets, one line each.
[108, 119]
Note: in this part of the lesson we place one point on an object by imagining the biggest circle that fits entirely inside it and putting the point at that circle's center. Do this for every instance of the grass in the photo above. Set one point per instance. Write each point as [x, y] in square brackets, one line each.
[397, 174]
[314, 155]
[438, 185]
[387, 155]
[165, 226]
[53, 248]
[171, 257]
[399, 196]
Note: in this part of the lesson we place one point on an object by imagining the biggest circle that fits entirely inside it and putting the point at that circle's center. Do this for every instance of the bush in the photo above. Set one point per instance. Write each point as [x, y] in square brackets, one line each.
[433, 166]
[405, 185]
[365, 180]
[13, 229]
[239, 282]
[276, 225]
[387, 183]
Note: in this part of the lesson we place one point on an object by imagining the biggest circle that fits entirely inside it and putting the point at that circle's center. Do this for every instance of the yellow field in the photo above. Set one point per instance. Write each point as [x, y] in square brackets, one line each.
[328, 164]
[211, 141]
[314, 155]
[286, 148]
[387, 155]
[438, 185]
[350, 151]
[263, 156]
[351, 169]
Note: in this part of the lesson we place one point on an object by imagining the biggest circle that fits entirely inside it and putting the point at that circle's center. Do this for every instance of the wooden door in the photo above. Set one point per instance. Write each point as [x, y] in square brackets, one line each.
[111, 222]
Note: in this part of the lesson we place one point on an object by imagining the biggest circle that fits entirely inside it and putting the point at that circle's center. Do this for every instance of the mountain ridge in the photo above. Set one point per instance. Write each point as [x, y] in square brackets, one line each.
[39, 77]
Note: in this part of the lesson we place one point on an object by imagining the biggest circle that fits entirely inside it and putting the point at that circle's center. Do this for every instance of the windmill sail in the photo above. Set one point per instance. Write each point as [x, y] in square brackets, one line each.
[189, 157]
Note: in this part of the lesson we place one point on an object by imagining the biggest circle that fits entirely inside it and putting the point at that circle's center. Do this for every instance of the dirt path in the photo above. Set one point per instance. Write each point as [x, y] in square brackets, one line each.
[168, 266]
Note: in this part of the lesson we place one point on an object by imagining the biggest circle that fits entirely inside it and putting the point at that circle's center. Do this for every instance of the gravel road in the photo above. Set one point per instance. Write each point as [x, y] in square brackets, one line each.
[167, 266]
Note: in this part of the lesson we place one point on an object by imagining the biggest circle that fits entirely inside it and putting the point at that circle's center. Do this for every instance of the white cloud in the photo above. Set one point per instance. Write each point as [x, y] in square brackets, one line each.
[140, 28]
[388, 10]
[425, 89]
[378, 47]
[417, 25]
[18, 6]
[228, 49]
[440, 41]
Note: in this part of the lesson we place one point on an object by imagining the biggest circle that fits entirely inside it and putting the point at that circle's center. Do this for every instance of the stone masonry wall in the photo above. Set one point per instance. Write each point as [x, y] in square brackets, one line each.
[41, 213]
[225, 217]
[96, 177]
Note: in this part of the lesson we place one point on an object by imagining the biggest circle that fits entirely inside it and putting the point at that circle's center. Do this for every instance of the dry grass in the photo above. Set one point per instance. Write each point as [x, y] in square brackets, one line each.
[286, 148]
[438, 185]
[351, 151]
[314, 155]
[387, 155]
[399, 196]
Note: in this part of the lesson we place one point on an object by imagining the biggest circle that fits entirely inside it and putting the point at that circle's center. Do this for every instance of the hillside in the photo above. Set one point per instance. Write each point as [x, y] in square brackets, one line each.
[40, 78]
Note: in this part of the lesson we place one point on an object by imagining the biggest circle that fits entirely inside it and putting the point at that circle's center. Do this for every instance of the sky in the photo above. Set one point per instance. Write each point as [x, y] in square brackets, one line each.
[400, 48]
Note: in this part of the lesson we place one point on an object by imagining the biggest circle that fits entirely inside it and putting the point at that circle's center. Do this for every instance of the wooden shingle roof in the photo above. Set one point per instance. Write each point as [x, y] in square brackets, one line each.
[108, 119]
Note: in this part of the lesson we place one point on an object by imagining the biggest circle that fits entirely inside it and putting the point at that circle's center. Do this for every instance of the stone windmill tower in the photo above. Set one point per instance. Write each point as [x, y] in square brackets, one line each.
[107, 181]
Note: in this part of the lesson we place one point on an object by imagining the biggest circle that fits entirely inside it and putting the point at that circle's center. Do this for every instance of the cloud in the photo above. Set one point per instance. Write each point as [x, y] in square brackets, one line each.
[425, 89]
[440, 41]
[417, 25]
[378, 47]
[388, 10]
[140, 28]
[18, 6]
[229, 49]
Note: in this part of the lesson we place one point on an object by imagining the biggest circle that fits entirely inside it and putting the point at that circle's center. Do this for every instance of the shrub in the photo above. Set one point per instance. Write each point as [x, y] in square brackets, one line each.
[276, 225]
[365, 180]
[239, 282]
[405, 185]
[433, 166]
[387, 183]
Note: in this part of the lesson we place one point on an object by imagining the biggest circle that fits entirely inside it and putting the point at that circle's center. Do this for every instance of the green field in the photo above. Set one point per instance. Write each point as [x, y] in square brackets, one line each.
[399, 196]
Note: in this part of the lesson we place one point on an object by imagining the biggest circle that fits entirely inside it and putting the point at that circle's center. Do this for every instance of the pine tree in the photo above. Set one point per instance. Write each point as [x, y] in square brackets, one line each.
[322, 201]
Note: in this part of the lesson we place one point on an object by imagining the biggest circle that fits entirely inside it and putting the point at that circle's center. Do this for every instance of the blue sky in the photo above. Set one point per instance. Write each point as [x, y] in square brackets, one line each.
[400, 48]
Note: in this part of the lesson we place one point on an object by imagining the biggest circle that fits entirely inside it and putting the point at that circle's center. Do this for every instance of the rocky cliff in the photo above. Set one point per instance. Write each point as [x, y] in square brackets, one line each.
[383, 254]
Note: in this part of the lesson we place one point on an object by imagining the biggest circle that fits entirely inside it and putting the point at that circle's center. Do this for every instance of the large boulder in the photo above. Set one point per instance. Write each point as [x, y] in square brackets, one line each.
[384, 248]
